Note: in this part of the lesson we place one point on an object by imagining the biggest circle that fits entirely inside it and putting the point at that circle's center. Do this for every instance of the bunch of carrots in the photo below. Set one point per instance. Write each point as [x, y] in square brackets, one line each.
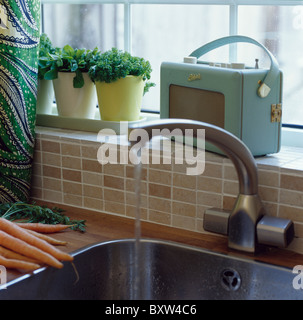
[27, 246]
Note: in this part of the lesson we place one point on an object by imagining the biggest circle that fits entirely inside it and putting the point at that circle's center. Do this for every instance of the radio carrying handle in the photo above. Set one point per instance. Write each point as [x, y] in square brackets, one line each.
[272, 74]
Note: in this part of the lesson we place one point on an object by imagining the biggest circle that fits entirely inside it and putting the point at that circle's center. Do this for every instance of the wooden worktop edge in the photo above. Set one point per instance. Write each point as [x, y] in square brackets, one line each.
[114, 227]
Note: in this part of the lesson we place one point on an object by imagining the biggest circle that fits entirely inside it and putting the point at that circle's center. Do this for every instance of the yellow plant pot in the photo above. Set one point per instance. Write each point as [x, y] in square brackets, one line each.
[120, 100]
[75, 102]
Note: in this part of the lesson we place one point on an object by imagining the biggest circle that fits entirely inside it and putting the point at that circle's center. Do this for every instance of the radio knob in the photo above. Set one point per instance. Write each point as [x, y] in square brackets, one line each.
[192, 60]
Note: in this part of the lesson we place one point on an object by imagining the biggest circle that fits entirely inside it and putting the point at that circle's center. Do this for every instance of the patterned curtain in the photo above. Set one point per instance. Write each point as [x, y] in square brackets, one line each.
[19, 47]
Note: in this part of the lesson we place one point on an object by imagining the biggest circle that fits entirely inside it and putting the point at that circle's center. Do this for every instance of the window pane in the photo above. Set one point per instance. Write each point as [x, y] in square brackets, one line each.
[170, 32]
[85, 26]
[280, 29]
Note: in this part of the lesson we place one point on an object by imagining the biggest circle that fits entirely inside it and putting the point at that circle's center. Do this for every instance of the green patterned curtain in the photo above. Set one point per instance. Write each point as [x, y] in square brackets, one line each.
[19, 47]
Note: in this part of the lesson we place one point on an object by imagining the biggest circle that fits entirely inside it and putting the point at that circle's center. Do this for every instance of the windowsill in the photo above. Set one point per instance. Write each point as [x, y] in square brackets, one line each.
[89, 125]
[289, 158]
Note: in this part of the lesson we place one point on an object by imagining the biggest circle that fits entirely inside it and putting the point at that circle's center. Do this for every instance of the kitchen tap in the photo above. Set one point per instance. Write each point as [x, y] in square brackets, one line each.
[246, 225]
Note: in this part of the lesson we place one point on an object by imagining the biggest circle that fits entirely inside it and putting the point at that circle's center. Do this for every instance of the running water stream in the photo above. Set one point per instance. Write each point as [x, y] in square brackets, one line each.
[137, 253]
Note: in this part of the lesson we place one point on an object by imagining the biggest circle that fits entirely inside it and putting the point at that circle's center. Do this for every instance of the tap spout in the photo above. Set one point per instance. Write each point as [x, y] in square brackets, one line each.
[248, 214]
[248, 208]
[233, 147]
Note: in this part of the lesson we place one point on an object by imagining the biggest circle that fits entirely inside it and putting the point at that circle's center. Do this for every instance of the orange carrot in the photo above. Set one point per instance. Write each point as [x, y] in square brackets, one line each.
[47, 238]
[16, 231]
[9, 254]
[44, 228]
[19, 246]
[18, 264]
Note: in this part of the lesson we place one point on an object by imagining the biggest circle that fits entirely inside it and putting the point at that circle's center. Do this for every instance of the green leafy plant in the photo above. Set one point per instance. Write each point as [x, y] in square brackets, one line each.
[34, 213]
[115, 64]
[68, 59]
[45, 47]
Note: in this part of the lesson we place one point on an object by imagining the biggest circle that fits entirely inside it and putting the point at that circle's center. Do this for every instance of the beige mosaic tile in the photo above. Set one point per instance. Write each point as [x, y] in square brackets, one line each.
[50, 146]
[114, 182]
[114, 207]
[184, 181]
[185, 222]
[72, 175]
[131, 212]
[184, 195]
[51, 184]
[72, 188]
[291, 182]
[209, 184]
[158, 190]
[184, 209]
[161, 177]
[92, 178]
[51, 159]
[50, 171]
[69, 149]
[71, 162]
[159, 217]
[159, 204]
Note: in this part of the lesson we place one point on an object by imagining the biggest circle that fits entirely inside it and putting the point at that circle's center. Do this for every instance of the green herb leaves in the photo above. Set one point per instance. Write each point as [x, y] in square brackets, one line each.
[115, 64]
[34, 213]
[67, 59]
[45, 48]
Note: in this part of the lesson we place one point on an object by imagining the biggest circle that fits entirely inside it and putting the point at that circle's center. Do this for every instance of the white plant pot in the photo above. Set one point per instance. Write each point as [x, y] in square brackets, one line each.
[75, 102]
[45, 97]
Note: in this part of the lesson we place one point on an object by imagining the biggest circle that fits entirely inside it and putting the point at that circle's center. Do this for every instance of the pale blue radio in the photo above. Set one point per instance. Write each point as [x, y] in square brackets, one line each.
[246, 102]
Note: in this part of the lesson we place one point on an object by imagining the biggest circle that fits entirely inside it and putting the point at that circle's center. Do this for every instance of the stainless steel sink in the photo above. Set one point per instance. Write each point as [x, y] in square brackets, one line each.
[167, 271]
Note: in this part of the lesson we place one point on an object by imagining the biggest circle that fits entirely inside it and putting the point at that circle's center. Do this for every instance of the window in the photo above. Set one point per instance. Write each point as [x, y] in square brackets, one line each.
[171, 29]
[280, 28]
[84, 25]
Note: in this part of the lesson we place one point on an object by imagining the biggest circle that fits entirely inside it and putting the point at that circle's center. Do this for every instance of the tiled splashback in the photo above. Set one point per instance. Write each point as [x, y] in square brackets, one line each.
[66, 171]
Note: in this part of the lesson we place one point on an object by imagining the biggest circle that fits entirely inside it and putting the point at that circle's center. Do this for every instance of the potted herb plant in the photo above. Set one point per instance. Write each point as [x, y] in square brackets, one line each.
[75, 92]
[45, 92]
[121, 81]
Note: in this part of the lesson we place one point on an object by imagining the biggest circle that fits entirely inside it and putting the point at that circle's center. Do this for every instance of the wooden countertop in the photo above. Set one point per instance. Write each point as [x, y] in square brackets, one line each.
[105, 227]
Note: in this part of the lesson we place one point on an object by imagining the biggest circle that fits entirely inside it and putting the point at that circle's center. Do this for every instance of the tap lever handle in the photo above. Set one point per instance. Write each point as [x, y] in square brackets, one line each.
[275, 231]
[216, 220]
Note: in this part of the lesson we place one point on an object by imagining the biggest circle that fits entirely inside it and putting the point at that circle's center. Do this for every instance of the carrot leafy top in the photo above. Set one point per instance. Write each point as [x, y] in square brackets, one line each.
[34, 213]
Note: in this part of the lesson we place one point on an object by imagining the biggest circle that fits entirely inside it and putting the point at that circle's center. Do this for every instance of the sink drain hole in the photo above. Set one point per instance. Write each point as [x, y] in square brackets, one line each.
[230, 279]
